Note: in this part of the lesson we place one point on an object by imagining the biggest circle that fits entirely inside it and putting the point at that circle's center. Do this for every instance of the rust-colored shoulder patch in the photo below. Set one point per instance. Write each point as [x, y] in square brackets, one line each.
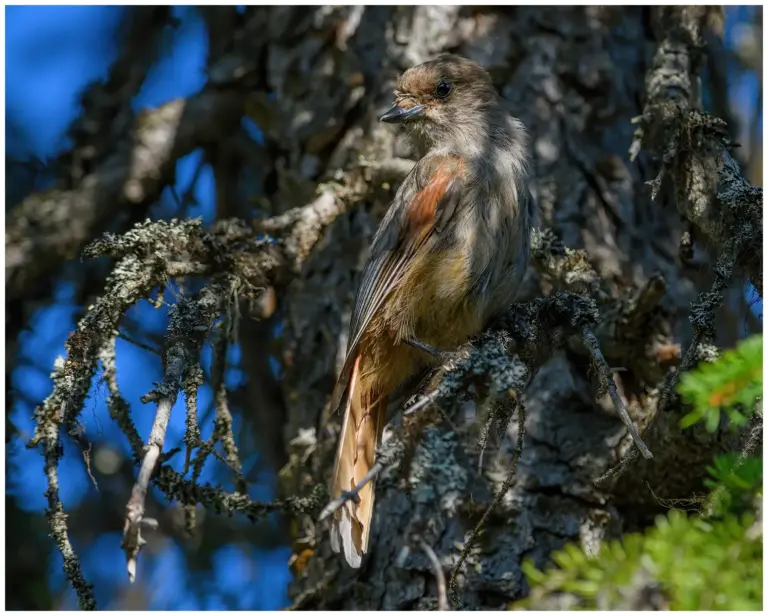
[422, 209]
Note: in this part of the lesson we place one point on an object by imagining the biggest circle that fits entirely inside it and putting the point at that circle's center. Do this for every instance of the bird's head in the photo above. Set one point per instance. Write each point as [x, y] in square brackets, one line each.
[443, 99]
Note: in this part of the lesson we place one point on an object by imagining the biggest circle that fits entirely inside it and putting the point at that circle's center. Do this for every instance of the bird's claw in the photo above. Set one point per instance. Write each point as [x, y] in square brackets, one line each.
[443, 356]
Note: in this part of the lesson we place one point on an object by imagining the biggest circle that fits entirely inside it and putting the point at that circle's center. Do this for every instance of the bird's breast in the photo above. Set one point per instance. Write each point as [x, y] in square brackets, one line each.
[431, 305]
[432, 302]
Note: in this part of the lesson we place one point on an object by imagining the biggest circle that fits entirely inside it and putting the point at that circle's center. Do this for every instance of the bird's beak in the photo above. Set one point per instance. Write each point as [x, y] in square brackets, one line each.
[398, 114]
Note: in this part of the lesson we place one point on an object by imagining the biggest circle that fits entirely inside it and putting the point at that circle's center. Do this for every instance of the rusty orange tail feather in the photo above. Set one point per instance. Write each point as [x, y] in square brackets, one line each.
[361, 430]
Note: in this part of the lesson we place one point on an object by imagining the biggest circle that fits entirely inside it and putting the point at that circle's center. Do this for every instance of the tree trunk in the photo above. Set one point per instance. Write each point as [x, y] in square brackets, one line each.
[575, 77]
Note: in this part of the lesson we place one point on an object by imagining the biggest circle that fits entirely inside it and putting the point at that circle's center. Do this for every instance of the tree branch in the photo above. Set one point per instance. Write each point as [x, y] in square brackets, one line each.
[57, 519]
[107, 111]
[51, 227]
[190, 322]
[712, 194]
[147, 257]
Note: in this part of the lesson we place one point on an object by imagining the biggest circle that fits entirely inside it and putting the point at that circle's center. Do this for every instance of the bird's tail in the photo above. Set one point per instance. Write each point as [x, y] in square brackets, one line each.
[361, 430]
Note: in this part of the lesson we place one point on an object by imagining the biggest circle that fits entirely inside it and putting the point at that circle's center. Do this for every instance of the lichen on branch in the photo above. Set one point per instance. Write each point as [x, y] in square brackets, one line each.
[242, 263]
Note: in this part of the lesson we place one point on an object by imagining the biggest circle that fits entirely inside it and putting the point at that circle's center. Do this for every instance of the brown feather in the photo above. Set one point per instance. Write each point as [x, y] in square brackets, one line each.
[420, 214]
[361, 430]
[376, 362]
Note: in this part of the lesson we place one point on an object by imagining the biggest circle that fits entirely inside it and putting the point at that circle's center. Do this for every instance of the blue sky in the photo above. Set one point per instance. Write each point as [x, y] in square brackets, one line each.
[51, 54]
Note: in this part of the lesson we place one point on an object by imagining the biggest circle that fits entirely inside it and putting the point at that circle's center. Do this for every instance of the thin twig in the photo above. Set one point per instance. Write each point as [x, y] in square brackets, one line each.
[442, 595]
[188, 327]
[207, 449]
[86, 453]
[605, 378]
[132, 539]
[422, 402]
[138, 343]
[351, 495]
[191, 381]
[223, 422]
[504, 489]
[118, 408]
[57, 519]
[222, 425]
[702, 317]
[482, 442]
[617, 470]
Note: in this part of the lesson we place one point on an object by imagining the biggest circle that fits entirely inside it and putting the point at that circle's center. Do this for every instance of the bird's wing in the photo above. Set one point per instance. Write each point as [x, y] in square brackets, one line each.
[422, 206]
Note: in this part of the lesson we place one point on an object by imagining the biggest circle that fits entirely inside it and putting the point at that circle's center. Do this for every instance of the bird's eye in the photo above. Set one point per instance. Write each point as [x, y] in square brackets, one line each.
[443, 89]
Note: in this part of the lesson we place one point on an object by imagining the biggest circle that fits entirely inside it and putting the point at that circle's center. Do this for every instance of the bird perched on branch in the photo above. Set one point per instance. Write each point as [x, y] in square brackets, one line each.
[448, 256]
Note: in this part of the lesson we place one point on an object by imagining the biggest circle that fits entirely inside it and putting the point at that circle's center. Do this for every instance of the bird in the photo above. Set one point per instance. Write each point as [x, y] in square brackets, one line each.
[448, 256]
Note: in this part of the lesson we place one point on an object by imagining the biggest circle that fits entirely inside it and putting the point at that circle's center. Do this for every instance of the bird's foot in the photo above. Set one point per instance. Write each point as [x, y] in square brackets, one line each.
[443, 356]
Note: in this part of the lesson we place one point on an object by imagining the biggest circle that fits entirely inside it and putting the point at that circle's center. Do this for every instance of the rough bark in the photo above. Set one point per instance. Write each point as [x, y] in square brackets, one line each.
[577, 80]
